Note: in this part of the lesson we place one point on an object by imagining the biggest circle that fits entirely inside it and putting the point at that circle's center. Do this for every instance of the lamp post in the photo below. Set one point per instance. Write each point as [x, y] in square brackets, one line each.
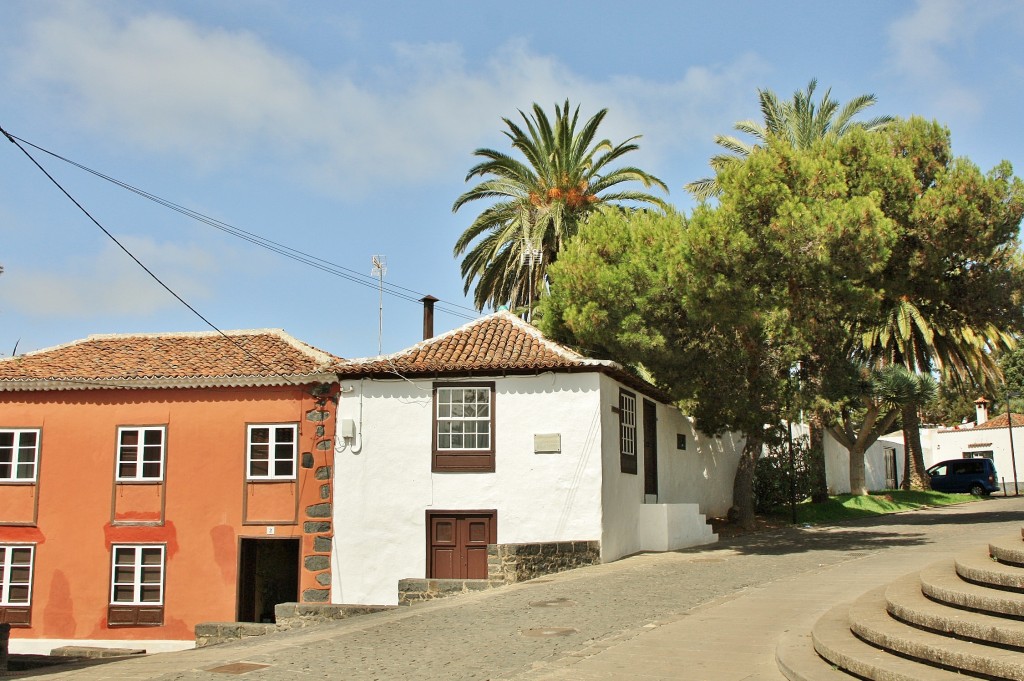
[1009, 425]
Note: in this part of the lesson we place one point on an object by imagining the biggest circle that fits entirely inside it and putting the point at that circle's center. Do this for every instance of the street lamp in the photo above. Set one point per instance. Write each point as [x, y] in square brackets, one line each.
[1009, 424]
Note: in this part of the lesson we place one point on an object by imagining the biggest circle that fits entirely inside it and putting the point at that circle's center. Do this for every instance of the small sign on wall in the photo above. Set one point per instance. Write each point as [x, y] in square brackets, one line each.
[681, 441]
[547, 443]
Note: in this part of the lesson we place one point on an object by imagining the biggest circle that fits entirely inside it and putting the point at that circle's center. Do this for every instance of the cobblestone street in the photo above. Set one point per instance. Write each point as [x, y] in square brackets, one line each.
[670, 615]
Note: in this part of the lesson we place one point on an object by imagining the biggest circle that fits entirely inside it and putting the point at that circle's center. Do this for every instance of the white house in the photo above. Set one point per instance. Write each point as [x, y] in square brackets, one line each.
[491, 434]
[986, 437]
[883, 464]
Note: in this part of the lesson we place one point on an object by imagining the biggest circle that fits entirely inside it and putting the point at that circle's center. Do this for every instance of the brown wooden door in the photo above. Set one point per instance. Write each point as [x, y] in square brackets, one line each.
[650, 448]
[458, 544]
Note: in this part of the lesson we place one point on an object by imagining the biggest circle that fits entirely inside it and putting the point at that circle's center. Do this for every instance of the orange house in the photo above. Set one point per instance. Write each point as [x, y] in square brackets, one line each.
[151, 482]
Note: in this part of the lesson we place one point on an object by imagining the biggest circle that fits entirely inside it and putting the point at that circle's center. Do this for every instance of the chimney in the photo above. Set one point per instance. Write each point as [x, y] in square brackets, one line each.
[981, 405]
[428, 316]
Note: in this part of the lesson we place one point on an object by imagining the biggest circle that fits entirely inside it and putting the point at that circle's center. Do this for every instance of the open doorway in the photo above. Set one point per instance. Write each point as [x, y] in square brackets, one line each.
[268, 574]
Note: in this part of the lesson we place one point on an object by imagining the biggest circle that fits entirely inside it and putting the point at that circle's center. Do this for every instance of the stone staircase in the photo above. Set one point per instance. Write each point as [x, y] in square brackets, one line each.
[953, 620]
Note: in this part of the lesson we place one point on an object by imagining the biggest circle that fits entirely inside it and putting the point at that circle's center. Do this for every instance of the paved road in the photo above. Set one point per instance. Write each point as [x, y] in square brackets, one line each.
[706, 613]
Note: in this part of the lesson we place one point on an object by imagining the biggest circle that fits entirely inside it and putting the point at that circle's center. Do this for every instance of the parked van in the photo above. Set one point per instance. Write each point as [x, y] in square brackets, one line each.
[977, 476]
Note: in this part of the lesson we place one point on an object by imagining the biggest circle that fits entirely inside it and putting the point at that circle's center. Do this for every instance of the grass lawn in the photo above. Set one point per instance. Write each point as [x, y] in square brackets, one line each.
[848, 507]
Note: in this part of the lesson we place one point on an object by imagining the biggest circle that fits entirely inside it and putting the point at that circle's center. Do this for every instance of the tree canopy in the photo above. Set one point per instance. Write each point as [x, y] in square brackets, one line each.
[807, 249]
[538, 202]
[799, 121]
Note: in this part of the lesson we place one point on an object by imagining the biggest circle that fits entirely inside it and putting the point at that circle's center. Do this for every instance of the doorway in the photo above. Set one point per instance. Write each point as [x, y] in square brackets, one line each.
[457, 543]
[891, 472]
[650, 449]
[268, 574]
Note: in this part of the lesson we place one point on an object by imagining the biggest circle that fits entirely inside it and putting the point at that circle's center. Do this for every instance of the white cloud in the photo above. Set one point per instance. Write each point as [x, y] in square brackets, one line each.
[108, 283]
[922, 44]
[220, 98]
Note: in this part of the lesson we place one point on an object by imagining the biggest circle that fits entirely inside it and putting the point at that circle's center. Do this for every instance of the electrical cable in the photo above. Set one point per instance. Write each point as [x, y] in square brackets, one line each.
[273, 246]
[141, 264]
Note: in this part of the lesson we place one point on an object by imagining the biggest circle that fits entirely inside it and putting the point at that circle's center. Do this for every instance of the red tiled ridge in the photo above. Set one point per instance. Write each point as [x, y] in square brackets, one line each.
[1001, 421]
[498, 342]
[247, 357]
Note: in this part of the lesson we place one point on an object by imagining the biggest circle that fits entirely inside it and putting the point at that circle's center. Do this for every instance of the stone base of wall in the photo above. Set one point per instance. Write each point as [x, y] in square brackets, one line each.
[288, 616]
[414, 590]
[519, 562]
[506, 564]
[212, 633]
[298, 615]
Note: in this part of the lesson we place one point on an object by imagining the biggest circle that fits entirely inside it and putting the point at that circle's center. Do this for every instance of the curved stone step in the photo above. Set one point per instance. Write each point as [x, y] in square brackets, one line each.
[833, 641]
[1009, 550]
[797, 660]
[906, 602]
[979, 567]
[870, 621]
[940, 582]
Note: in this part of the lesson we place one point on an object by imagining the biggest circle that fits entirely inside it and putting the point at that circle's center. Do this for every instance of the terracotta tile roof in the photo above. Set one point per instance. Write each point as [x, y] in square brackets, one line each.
[495, 344]
[1001, 422]
[250, 357]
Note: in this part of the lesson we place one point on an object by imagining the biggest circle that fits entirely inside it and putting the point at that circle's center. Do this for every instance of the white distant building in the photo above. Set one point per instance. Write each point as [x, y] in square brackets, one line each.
[989, 438]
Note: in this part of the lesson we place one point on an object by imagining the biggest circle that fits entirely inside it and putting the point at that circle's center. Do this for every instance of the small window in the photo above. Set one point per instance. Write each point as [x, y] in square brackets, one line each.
[140, 454]
[19, 455]
[137, 586]
[16, 584]
[627, 431]
[463, 427]
[271, 452]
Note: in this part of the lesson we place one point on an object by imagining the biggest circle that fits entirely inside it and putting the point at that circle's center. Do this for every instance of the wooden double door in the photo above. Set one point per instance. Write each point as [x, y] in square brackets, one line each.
[457, 543]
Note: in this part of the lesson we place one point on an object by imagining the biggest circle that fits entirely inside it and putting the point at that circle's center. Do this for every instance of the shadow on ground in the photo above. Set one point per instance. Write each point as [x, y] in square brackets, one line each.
[862, 534]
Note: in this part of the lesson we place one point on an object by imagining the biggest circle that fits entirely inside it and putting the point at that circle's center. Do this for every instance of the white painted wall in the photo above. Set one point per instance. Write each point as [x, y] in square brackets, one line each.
[957, 443]
[837, 463]
[384, 486]
[702, 475]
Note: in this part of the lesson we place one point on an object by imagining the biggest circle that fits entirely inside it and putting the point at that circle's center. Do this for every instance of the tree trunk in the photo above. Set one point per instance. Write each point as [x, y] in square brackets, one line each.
[915, 472]
[858, 484]
[816, 461]
[743, 483]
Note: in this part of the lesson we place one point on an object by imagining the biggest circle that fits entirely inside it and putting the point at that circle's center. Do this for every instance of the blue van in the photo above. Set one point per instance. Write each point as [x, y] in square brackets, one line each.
[977, 476]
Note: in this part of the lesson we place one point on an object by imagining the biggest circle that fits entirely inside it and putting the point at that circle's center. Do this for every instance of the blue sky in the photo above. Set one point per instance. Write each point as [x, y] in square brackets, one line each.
[345, 130]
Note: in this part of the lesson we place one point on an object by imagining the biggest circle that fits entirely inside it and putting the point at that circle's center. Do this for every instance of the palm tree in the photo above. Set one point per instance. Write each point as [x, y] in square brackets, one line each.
[566, 175]
[921, 342]
[800, 122]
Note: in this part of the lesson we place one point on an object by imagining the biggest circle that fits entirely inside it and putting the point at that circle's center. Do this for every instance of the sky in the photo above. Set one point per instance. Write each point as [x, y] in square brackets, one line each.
[343, 130]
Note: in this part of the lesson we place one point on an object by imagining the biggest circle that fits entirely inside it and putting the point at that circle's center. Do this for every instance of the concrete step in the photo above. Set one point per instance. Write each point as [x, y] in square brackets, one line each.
[833, 640]
[978, 566]
[1009, 551]
[940, 582]
[906, 602]
[797, 660]
[870, 621]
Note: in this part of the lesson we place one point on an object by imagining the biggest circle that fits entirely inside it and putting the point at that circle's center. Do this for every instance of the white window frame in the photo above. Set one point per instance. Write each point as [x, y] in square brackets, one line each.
[627, 424]
[140, 451]
[15, 450]
[480, 425]
[137, 567]
[6, 566]
[272, 447]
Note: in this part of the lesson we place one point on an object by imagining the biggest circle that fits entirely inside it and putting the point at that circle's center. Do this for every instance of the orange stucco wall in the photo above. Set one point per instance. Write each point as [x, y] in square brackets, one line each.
[202, 501]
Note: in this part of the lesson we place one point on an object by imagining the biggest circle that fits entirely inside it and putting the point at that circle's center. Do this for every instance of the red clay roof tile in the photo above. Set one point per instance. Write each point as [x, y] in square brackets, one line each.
[498, 343]
[269, 355]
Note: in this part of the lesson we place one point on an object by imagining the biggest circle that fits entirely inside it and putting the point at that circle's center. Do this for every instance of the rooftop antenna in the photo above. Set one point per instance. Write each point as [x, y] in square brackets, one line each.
[380, 268]
[529, 257]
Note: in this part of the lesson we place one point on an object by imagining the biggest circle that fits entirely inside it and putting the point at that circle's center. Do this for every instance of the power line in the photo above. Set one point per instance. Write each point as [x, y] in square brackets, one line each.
[131, 255]
[321, 264]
